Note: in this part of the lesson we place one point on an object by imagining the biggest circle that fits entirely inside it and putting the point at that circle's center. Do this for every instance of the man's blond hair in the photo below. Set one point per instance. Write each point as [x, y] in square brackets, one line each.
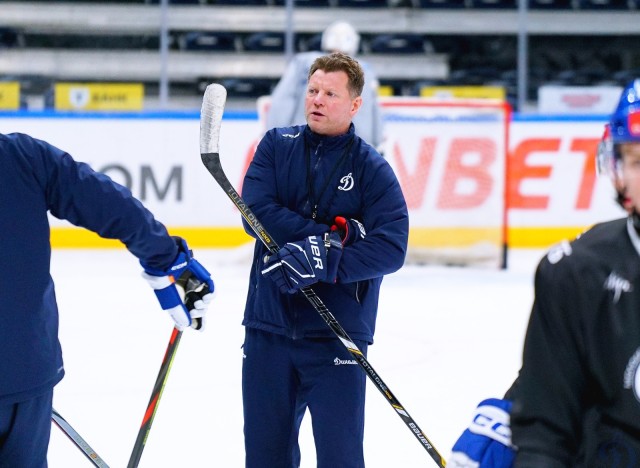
[341, 62]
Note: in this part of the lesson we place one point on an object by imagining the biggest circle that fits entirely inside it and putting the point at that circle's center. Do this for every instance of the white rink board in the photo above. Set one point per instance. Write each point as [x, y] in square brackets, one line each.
[158, 158]
[452, 172]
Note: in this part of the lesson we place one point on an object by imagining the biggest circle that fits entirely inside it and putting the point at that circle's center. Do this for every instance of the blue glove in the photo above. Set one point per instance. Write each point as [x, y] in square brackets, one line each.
[486, 443]
[303, 263]
[187, 304]
[350, 230]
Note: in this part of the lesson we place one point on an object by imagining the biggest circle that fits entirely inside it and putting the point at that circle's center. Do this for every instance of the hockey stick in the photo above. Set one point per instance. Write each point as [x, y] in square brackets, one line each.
[163, 373]
[158, 387]
[71, 433]
[210, 120]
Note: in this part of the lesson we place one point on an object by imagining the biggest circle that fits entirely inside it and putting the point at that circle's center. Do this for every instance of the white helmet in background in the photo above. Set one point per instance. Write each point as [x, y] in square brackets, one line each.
[341, 37]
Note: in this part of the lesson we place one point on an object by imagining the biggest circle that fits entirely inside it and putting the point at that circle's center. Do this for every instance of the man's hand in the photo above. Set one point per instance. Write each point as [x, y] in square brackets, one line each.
[188, 309]
[303, 263]
[350, 230]
[486, 443]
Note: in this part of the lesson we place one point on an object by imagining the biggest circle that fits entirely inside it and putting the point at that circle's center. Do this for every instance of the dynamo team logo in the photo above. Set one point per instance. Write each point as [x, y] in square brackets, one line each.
[347, 183]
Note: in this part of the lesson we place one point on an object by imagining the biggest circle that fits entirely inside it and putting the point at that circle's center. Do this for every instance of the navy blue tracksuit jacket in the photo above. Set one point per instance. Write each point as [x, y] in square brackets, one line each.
[295, 174]
[36, 178]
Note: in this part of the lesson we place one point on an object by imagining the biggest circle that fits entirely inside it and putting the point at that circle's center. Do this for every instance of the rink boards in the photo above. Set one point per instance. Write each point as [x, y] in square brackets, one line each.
[552, 191]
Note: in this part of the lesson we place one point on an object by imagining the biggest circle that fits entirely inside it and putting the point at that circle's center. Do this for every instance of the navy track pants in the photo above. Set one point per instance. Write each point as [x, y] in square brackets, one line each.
[281, 378]
[25, 429]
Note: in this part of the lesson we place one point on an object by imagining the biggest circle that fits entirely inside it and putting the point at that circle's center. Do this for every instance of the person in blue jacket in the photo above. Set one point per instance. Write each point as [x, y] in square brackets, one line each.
[37, 178]
[336, 208]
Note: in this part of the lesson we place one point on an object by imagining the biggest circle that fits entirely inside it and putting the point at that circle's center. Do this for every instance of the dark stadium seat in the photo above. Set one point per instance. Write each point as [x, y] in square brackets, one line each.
[305, 3]
[399, 87]
[493, 3]
[306, 43]
[584, 77]
[264, 42]
[550, 4]
[397, 44]
[222, 41]
[247, 87]
[177, 2]
[603, 4]
[624, 77]
[238, 2]
[9, 37]
[473, 76]
[445, 4]
[362, 3]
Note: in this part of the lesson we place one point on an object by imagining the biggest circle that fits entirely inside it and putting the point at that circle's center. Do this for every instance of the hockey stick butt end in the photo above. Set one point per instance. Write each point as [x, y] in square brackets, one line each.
[215, 97]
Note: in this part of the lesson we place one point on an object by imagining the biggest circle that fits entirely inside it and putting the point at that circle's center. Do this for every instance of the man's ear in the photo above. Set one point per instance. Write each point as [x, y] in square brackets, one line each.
[355, 105]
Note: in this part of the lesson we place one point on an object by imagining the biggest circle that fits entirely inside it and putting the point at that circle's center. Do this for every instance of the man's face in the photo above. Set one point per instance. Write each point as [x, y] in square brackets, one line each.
[328, 105]
[630, 174]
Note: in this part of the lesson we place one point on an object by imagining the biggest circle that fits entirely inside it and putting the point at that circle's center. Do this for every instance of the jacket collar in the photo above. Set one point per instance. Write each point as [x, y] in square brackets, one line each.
[328, 142]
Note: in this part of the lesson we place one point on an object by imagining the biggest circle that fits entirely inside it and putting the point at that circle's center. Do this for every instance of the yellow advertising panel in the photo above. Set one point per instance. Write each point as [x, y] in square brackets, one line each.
[385, 90]
[9, 95]
[99, 96]
[464, 92]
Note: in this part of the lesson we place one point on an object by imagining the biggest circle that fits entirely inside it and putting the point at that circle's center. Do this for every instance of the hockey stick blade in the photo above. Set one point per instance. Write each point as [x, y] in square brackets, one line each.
[79, 442]
[210, 121]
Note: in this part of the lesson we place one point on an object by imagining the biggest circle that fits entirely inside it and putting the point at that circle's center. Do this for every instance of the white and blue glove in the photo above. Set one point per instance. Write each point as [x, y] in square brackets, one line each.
[486, 443]
[303, 263]
[188, 308]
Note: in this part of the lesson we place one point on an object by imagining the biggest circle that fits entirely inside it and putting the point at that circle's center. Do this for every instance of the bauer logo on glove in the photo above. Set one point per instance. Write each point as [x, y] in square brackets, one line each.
[303, 263]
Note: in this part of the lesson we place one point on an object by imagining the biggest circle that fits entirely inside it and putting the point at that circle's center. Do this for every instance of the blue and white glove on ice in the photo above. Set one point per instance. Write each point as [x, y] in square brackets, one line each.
[187, 309]
[303, 263]
[486, 443]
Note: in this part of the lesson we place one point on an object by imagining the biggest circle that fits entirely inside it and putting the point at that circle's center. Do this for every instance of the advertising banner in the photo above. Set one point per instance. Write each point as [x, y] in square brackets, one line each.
[98, 96]
[9, 95]
[578, 99]
[452, 175]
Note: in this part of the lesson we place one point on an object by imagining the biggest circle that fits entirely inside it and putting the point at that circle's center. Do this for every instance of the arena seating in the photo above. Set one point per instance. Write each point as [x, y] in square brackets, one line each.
[398, 44]
[550, 4]
[207, 40]
[409, 42]
[265, 42]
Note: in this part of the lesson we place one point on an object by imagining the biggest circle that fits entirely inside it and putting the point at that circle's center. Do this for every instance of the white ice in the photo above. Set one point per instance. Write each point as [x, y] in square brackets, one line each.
[446, 338]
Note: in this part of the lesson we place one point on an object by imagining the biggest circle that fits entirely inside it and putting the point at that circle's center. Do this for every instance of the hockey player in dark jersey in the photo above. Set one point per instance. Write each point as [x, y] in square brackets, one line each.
[37, 178]
[576, 401]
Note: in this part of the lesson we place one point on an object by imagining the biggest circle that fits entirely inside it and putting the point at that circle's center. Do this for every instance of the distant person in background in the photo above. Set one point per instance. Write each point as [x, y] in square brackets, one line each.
[287, 99]
[37, 178]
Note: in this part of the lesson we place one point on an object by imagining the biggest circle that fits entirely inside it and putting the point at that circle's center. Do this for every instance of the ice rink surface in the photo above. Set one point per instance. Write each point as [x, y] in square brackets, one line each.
[446, 338]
